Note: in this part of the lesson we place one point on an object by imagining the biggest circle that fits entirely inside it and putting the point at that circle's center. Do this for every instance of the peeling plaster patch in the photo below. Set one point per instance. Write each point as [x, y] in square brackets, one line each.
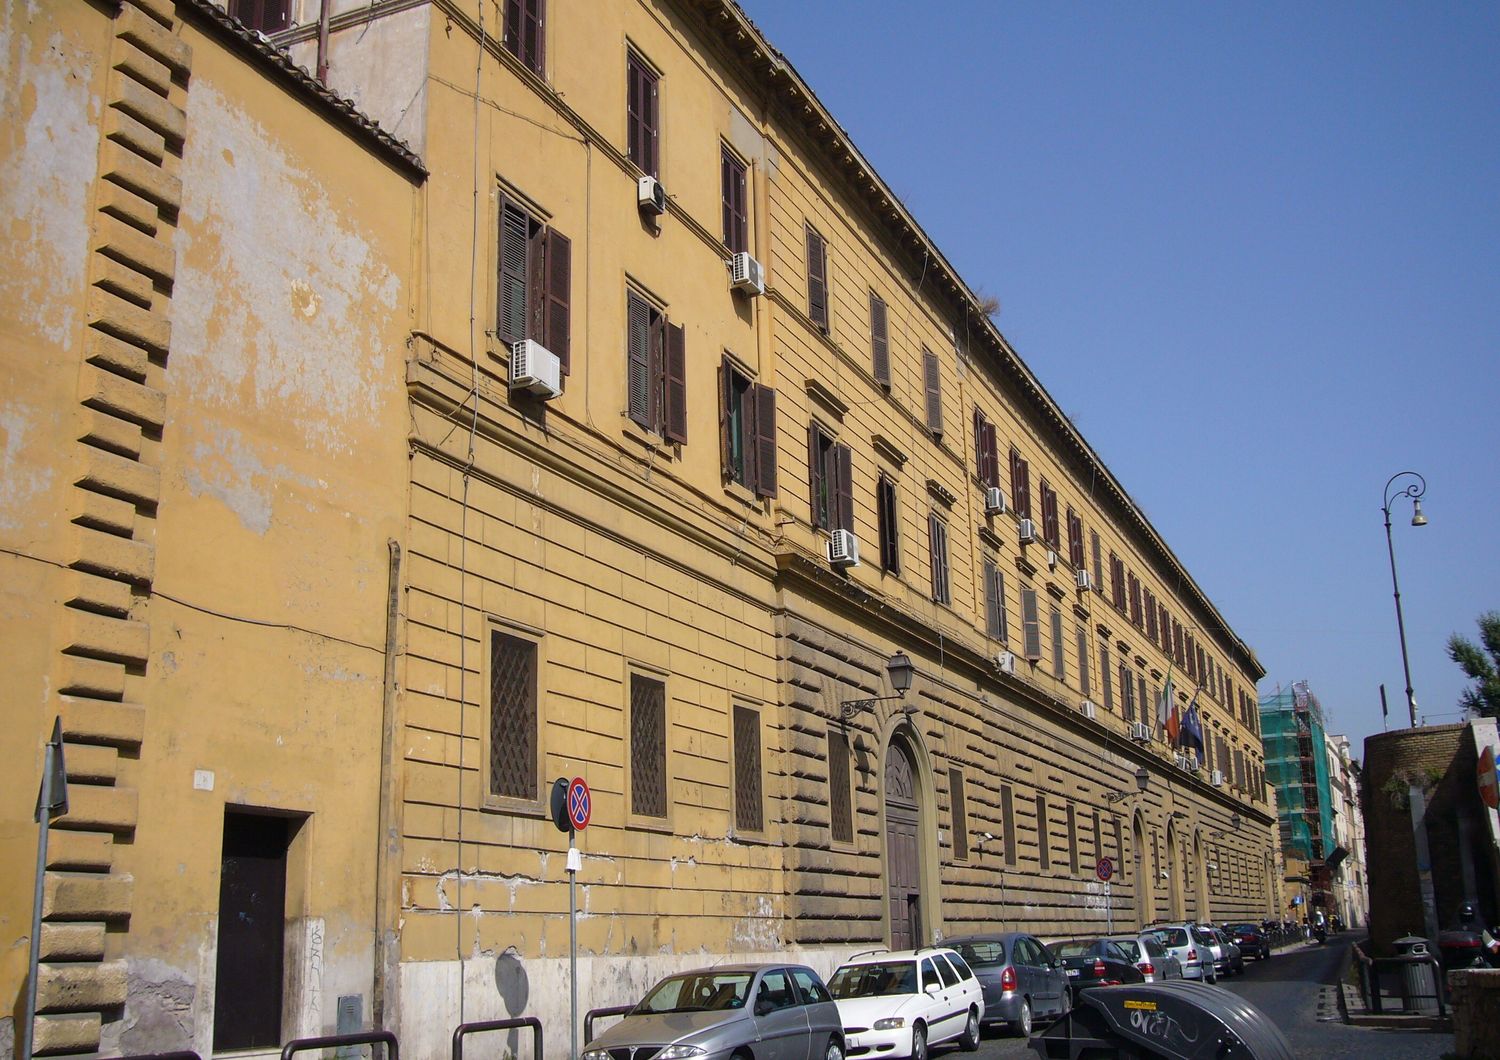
[21, 480]
[158, 1008]
[310, 303]
[758, 931]
[333, 673]
[49, 155]
[230, 470]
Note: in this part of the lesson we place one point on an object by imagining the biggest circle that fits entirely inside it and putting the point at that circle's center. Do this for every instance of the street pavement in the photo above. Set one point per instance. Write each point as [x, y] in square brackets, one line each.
[1297, 989]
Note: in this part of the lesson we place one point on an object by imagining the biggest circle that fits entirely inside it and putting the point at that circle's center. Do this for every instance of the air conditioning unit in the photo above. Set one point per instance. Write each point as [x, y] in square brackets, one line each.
[1216, 779]
[994, 501]
[747, 275]
[1187, 763]
[535, 369]
[1051, 560]
[1028, 531]
[1088, 710]
[1085, 579]
[843, 549]
[1005, 662]
[1139, 732]
[650, 196]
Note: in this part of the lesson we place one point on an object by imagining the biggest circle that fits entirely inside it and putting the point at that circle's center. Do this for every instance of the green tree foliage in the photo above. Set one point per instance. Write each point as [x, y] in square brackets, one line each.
[1482, 664]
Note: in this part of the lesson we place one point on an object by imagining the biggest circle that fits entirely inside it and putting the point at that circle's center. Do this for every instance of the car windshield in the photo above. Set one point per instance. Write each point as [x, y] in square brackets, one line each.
[1063, 950]
[697, 992]
[883, 979]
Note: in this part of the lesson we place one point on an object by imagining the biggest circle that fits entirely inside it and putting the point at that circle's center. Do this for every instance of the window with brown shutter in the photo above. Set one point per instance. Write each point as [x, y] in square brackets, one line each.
[960, 815]
[1150, 616]
[888, 517]
[524, 22]
[648, 746]
[1098, 562]
[1049, 516]
[1127, 692]
[1106, 679]
[1059, 658]
[533, 282]
[1117, 582]
[937, 536]
[994, 600]
[830, 477]
[1008, 823]
[1075, 539]
[880, 341]
[1020, 485]
[642, 113]
[1083, 661]
[932, 384]
[514, 722]
[748, 813]
[1143, 701]
[1135, 601]
[263, 16]
[840, 799]
[747, 430]
[1031, 625]
[817, 280]
[656, 370]
[736, 212]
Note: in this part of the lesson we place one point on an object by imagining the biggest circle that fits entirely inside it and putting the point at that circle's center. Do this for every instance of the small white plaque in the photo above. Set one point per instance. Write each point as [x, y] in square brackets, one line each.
[203, 780]
[575, 859]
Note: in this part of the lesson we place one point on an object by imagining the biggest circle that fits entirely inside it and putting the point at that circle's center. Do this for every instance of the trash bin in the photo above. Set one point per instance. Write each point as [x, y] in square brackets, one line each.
[1419, 986]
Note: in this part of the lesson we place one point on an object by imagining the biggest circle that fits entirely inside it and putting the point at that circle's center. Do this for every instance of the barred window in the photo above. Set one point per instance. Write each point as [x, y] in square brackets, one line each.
[648, 746]
[841, 813]
[1008, 823]
[1072, 839]
[513, 717]
[960, 815]
[1043, 838]
[747, 808]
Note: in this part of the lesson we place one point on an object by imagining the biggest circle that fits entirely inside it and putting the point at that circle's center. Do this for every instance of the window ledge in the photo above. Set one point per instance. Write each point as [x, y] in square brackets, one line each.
[888, 449]
[827, 398]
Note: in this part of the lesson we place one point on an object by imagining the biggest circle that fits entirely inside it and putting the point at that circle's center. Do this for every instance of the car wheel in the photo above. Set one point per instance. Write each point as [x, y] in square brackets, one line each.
[835, 1051]
[919, 1042]
[970, 1040]
[1022, 1026]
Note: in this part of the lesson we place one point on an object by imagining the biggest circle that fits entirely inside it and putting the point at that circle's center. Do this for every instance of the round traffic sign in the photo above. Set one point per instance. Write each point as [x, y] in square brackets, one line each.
[580, 803]
[1104, 870]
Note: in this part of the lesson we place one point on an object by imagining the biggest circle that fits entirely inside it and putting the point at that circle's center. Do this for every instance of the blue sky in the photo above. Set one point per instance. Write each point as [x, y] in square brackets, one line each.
[1254, 252]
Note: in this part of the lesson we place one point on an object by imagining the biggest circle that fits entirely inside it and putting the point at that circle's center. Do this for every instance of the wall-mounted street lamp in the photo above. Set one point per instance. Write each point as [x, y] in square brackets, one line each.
[1142, 782]
[1234, 826]
[1414, 490]
[900, 670]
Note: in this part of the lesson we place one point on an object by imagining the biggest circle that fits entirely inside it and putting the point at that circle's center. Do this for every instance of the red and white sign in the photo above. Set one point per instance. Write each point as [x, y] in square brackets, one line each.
[580, 803]
[1104, 870]
[1488, 789]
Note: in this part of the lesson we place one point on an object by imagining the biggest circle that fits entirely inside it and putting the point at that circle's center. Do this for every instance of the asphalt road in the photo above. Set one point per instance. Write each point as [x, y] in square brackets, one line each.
[1296, 989]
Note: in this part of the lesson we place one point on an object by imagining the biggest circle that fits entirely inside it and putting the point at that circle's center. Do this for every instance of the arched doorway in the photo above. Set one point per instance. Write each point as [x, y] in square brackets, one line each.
[903, 848]
[1144, 883]
[1174, 887]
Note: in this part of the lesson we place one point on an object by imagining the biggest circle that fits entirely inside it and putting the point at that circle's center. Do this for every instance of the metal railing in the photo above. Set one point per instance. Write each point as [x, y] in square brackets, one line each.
[335, 1041]
[1375, 976]
[593, 1013]
[463, 1030]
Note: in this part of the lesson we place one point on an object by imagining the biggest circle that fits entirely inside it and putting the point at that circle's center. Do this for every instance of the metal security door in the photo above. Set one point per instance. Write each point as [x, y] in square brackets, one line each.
[902, 850]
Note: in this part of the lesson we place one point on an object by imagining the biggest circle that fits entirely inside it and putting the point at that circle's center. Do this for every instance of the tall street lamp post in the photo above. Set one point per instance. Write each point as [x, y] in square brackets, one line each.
[1414, 490]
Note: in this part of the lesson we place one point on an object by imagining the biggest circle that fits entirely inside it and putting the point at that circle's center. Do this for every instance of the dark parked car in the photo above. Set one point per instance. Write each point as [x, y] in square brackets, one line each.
[1022, 981]
[776, 1010]
[1095, 962]
[1252, 940]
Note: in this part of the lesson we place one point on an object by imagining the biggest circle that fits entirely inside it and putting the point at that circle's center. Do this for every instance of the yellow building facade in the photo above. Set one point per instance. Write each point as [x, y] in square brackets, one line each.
[326, 602]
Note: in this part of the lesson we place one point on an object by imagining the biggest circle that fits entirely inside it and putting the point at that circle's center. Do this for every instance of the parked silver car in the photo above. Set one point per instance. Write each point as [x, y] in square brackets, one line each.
[1022, 981]
[1216, 943]
[1196, 958]
[1151, 958]
[1234, 958]
[781, 1011]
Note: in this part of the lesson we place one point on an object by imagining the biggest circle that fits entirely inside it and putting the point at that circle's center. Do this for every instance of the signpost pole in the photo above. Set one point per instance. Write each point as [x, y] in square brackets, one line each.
[573, 940]
[1109, 908]
[44, 820]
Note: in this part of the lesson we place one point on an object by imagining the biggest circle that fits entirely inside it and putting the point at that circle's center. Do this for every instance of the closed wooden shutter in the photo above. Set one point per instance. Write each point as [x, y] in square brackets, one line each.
[880, 341]
[523, 32]
[1059, 657]
[933, 384]
[992, 603]
[817, 480]
[559, 336]
[728, 375]
[515, 230]
[937, 540]
[641, 113]
[992, 455]
[638, 361]
[1127, 692]
[675, 427]
[1031, 625]
[885, 501]
[981, 471]
[1098, 562]
[1075, 540]
[845, 459]
[817, 281]
[1106, 680]
[764, 401]
[1143, 701]
[1083, 662]
[736, 216]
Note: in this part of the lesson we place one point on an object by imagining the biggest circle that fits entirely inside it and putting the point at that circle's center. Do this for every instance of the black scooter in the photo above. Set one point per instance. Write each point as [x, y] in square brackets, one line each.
[1321, 934]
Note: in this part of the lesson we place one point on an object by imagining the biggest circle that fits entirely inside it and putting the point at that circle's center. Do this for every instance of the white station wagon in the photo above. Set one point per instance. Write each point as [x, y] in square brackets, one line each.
[899, 1004]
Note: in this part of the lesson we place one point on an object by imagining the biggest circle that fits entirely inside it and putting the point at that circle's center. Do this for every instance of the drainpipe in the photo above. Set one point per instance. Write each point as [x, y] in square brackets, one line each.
[388, 839]
[324, 14]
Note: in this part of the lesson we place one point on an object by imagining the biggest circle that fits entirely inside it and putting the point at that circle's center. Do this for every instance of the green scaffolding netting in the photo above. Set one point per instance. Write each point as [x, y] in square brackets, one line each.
[1292, 729]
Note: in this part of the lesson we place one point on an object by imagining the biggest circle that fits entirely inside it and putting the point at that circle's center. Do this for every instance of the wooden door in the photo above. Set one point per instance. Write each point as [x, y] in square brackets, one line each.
[903, 852]
[252, 927]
